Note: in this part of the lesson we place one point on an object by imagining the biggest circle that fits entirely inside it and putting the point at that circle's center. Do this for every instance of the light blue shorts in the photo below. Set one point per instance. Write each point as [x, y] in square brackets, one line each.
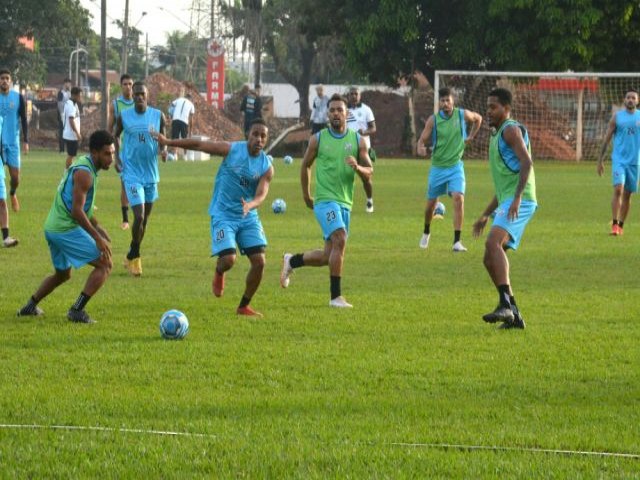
[138, 193]
[626, 175]
[11, 155]
[332, 216]
[514, 228]
[73, 248]
[231, 234]
[446, 180]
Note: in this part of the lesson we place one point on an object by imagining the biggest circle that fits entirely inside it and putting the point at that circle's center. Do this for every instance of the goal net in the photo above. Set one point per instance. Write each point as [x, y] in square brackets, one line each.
[566, 114]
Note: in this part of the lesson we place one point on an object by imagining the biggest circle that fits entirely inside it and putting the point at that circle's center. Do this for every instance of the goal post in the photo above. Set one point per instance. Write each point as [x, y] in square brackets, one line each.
[565, 113]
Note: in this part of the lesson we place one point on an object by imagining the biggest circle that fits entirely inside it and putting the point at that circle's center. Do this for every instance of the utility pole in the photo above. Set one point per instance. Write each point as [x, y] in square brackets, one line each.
[103, 64]
[213, 19]
[125, 37]
[146, 55]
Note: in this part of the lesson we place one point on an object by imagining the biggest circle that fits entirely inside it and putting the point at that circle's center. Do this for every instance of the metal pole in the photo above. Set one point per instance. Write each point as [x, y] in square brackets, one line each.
[146, 55]
[77, 55]
[125, 37]
[103, 64]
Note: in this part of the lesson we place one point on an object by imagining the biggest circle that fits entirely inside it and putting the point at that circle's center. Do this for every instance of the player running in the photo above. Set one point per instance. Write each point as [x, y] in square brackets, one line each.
[241, 185]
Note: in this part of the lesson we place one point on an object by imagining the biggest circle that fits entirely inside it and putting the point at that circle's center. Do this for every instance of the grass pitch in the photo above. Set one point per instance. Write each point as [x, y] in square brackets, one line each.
[311, 392]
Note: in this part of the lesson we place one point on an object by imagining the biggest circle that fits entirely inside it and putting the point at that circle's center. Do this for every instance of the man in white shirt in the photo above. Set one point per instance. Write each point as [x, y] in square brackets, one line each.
[360, 118]
[319, 112]
[71, 125]
[64, 94]
[182, 111]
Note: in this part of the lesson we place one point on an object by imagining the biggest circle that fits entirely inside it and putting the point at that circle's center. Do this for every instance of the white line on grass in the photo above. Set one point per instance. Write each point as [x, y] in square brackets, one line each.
[448, 446]
[108, 429]
[443, 446]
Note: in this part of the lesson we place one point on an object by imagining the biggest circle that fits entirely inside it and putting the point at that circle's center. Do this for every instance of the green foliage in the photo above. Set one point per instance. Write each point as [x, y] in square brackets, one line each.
[546, 35]
[234, 80]
[311, 392]
[55, 24]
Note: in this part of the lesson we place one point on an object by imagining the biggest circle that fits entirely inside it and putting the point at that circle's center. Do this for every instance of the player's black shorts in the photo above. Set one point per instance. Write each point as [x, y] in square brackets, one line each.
[72, 147]
[179, 129]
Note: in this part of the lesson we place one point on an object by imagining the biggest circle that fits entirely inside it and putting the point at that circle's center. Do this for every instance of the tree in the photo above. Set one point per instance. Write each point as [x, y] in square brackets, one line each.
[392, 37]
[295, 30]
[54, 24]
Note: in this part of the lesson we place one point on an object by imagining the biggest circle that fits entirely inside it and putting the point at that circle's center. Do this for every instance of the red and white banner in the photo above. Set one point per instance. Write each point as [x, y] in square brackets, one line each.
[215, 73]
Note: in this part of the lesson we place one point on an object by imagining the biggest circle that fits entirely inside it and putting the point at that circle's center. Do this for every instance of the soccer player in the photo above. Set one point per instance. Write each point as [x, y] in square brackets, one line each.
[446, 132]
[624, 127]
[13, 110]
[73, 234]
[139, 166]
[514, 202]
[241, 185]
[360, 118]
[182, 111]
[341, 153]
[123, 102]
[7, 241]
[71, 130]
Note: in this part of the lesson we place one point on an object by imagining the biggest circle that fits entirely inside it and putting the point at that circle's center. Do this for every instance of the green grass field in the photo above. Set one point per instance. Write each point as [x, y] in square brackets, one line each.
[311, 392]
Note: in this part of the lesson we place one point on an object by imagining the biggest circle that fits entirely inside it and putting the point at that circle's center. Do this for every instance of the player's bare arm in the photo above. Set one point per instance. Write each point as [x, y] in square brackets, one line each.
[305, 170]
[479, 224]
[371, 129]
[475, 120]
[611, 129]
[116, 134]
[112, 117]
[362, 165]
[425, 136]
[163, 123]
[213, 148]
[261, 192]
[513, 137]
[82, 182]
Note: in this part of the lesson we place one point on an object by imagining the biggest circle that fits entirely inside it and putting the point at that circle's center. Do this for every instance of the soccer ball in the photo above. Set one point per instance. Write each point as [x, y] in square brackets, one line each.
[288, 160]
[279, 206]
[174, 325]
[439, 211]
[170, 157]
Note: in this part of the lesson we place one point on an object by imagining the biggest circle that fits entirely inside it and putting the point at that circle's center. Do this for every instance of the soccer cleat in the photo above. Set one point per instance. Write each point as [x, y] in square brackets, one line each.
[9, 242]
[79, 316]
[424, 241]
[518, 322]
[615, 230]
[339, 302]
[369, 207]
[124, 226]
[286, 271]
[15, 204]
[247, 311]
[459, 247]
[218, 284]
[134, 266]
[500, 314]
[35, 312]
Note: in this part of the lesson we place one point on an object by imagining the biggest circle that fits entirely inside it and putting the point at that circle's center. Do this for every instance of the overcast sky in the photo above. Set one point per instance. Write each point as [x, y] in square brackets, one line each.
[157, 22]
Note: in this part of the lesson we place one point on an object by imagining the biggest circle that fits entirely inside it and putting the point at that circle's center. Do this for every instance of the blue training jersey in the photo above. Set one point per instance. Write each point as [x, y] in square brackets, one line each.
[140, 162]
[12, 109]
[237, 178]
[626, 141]
[1, 159]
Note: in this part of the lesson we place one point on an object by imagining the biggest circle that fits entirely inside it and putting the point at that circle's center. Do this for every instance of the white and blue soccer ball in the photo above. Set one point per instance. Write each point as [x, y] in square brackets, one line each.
[279, 206]
[170, 157]
[288, 159]
[440, 210]
[174, 325]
